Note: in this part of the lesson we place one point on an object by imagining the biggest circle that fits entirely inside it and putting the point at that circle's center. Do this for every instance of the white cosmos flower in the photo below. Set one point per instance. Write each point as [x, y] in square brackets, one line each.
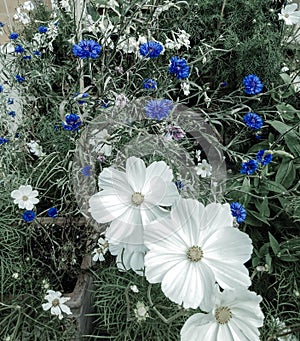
[56, 303]
[129, 256]
[289, 14]
[133, 198]
[236, 316]
[192, 249]
[25, 197]
[203, 169]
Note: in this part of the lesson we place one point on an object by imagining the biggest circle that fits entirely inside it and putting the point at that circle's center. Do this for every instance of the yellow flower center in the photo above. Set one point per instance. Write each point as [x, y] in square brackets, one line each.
[223, 315]
[137, 198]
[194, 254]
[55, 302]
[25, 198]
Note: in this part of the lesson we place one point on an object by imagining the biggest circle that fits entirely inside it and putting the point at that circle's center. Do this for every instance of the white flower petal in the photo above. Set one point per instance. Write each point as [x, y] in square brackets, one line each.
[218, 216]
[107, 205]
[135, 173]
[149, 213]
[157, 169]
[199, 327]
[243, 330]
[64, 308]
[55, 310]
[176, 285]
[47, 306]
[111, 178]
[161, 193]
[224, 333]
[16, 194]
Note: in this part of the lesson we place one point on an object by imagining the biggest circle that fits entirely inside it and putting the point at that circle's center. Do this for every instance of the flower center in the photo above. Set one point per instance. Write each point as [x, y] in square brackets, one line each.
[55, 302]
[286, 15]
[194, 254]
[25, 198]
[137, 198]
[142, 311]
[223, 315]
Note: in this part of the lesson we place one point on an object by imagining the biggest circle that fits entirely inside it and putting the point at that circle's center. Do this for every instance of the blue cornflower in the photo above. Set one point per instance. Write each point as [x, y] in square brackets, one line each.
[149, 84]
[158, 109]
[1, 88]
[87, 49]
[37, 53]
[249, 167]
[151, 49]
[10, 101]
[104, 103]
[253, 121]
[28, 216]
[86, 170]
[72, 122]
[19, 49]
[43, 29]
[1, 24]
[252, 85]
[27, 57]
[264, 157]
[179, 184]
[179, 67]
[3, 140]
[52, 212]
[12, 113]
[238, 211]
[79, 97]
[13, 36]
[20, 79]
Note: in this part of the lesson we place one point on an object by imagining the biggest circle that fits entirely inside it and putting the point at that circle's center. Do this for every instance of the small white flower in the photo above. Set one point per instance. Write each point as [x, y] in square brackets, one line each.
[170, 44]
[15, 275]
[262, 268]
[141, 311]
[183, 39]
[284, 69]
[100, 141]
[121, 101]
[134, 288]
[25, 197]
[45, 284]
[282, 329]
[65, 6]
[203, 169]
[35, 149]
[100, 250]
[236, 316]
[28, 6]
[56, 303]
[185, 87]
[289, 14]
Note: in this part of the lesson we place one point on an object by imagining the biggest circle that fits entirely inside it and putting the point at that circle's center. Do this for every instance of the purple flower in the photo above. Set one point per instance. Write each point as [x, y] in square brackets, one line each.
[263, 157]
[151, 49]
[87, 49]
[158, 109]
[19, 49]
[179, 67]
[28, 216]
[174, 132]
[52, 212]
[249, 167]
[149, 84]
[43, 29]
[252, 85]
[13, 35]
[238, 211]
[72, 122]
[253, 121]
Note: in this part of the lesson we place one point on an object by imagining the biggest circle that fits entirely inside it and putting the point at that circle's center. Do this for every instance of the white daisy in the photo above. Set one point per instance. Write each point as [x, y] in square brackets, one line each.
[203, 169]
[56, 303]
[133, 198]
[192, 249]
[236, 316]
[289, 14]
[25, 197]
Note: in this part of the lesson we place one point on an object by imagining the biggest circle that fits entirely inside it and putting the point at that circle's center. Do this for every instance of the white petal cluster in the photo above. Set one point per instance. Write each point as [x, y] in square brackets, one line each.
[101, 249]
[290, 15]
[56, 304]
[35, 148]
[203, 169]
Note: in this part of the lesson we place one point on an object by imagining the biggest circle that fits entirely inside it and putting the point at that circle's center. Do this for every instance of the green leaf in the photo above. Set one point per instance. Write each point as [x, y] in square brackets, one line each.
[274, 244]
[273, 186]
[253, 218]
[287, 111]
[286, 174]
